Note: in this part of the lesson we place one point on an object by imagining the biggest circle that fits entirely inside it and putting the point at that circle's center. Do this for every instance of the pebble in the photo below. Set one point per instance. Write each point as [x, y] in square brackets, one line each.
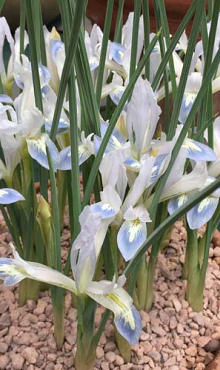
[177, 304]
[216, 252]
[3, 347]
[30, 354]
[110, 357]
[216, 335]
[119, 360]
[212, 346]
[4, 361]
[17, 362]
[203, 341]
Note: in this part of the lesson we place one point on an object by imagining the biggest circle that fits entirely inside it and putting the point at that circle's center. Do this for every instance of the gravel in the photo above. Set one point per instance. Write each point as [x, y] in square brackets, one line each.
[173, 336]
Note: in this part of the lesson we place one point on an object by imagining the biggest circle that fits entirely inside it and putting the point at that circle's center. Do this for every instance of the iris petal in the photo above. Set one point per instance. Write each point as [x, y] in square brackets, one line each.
[202, 212]
[131, 236]
[198, 151]
[37, 150]
[176, 202]
[106, 209]
[187, 102]
[8, 196]
[117, 52]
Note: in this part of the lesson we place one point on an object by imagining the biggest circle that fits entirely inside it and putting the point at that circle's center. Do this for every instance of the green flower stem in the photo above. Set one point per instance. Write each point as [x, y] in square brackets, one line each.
[146, 18]
[119, 22]
[141, 283]
[86, 348]
[134, 42]
[106, 33]
[56, 292]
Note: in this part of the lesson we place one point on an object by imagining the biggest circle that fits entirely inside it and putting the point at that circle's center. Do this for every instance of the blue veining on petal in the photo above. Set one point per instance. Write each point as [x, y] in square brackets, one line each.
[44, 72]
[63, 126]
[55, 46]
[187, 102]
[156, 168]
[13, 279]
[116, 95]
[176, 202]
[117, 52]
[6, 99]
[202, 212]
[123, 326]
[105, 209]
[132, 164]
[65, 159]
[131, 235]
[37, 150]
[8, 196]
[198, 151]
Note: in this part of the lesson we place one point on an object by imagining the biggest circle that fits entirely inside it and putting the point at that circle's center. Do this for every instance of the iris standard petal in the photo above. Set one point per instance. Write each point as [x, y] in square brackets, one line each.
[202, 212]
[131, 235]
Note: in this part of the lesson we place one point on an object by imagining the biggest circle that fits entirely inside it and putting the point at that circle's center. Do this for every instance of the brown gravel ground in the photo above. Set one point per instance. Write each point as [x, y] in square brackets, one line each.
[173, 337]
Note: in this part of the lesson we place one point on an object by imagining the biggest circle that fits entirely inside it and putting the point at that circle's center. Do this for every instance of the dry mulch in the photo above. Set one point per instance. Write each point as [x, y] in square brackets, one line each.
[173, 337]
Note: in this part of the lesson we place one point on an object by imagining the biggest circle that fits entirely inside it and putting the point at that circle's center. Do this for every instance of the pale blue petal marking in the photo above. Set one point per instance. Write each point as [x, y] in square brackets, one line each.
[105, 209]
[63, 126]
[116, 133]
[6, 99]
[156, 168]
[19, 82]
[202, 212]
[124, 328]
[116, 140]
[198, 151]
[176, 202]
[216, 193]
[117, 52]
[13, 279]
[187, 102]
[37, 150]
[93, 63]
[55, 46]
[44, 72]
[8, 196]
[84, 154]
[116, 96]
[132, 164]
[65, 159]
[131, 236]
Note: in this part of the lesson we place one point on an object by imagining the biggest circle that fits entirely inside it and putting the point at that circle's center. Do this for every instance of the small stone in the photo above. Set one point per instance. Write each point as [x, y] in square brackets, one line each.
[104, 365]
[164, 317]
[155, 356]
[173, 322]
[110, 346]
[216, 252]
[58, 367]
[119, 360]
[3, 307]
[110, 357]
[202, 341]
[216, 335]
[51, 357]
[163, 287]
[198, 318]
[212, 346]
[159, 331]
[179, 328]
[4, 361]
[144, 336]
[191, 351]
[3, 347]
[30, 354]
[99, 352]
[177, 304]
[9, 297]
[17, 362]
[24, 339]
[200, 366]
